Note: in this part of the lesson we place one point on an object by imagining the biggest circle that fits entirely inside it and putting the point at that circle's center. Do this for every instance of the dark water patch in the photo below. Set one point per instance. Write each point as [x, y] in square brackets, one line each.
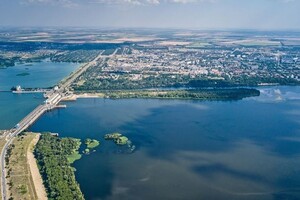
[211, 170]
[98, 170]
[289, 195]
[185, 150]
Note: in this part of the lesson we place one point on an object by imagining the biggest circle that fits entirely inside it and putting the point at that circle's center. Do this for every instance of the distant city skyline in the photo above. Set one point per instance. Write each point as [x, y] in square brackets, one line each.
[191, 14]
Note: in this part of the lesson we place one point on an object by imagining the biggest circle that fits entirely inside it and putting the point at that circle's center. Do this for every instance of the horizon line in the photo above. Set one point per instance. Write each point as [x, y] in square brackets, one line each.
[154, 28]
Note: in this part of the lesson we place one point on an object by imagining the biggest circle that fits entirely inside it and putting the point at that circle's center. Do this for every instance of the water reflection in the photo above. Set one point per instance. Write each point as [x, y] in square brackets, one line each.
[186, 149]
[203, 175]
[278, 94]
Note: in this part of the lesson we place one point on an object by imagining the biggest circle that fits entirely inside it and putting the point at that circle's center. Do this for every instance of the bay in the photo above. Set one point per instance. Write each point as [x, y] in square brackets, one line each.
[14, 107]
[246, 149]
[30, 75]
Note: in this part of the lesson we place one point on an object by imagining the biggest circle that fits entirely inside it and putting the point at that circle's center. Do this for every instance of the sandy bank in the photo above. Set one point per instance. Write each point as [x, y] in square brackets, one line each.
[35, 173]
[74, 97]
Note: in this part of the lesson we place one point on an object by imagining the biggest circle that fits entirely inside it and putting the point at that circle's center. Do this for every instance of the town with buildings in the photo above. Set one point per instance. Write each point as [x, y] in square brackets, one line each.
[186, 66]
[175, 63]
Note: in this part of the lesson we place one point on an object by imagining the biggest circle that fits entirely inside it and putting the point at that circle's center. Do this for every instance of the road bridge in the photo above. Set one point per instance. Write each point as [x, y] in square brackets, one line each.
[54, 96]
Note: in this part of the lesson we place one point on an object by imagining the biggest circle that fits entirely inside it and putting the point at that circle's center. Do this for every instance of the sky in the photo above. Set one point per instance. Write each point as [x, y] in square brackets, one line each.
[192, 14]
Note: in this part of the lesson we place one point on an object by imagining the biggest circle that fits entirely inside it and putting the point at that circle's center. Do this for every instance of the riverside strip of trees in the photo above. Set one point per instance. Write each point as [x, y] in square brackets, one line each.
[51, 153]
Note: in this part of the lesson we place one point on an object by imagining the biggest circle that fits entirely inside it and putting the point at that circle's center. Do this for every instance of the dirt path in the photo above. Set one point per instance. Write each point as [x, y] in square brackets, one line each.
[36, 176]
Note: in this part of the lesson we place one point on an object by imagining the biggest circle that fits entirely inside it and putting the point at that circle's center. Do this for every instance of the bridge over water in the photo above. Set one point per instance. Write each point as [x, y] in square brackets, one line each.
[54, 96]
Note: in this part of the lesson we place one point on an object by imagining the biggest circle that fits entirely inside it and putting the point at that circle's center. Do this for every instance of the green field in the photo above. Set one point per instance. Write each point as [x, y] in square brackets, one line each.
[18, 173]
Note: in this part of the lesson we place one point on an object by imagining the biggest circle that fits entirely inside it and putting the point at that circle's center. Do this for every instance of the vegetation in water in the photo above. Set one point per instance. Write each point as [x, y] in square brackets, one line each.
[112, 136]
[86, 151]
[53, 157]
[23, 74]
[121, 140]
[91, 143]
[73, 157]
[118, 138]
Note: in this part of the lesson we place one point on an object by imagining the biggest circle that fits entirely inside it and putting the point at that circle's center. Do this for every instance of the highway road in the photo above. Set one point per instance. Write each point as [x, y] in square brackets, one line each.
[54, 97]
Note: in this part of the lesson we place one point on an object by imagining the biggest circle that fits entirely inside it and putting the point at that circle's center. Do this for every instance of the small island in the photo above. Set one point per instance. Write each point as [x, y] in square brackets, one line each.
[112, 136]
[90, 144]
[120, 140]
[23, 74]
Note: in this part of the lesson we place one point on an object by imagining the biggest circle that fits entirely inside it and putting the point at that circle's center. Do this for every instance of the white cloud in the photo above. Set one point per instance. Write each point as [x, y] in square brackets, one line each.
[153, 1]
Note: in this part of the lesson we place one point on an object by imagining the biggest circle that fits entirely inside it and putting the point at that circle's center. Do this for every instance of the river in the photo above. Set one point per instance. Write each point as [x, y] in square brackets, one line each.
[246, 149]
[44, 74]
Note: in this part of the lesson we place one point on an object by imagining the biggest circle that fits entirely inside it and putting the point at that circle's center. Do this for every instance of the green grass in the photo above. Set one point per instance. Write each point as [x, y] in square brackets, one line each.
[73, 157]
[91, 143]
[121, 140]
[19, 176]
[112, 136]
[86, 151]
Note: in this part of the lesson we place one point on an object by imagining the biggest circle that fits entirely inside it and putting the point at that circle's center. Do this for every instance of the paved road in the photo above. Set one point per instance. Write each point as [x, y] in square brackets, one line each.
[54, 97]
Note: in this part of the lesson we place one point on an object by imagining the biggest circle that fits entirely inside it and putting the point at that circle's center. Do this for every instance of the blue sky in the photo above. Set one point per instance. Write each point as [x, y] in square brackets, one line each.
[198, 14]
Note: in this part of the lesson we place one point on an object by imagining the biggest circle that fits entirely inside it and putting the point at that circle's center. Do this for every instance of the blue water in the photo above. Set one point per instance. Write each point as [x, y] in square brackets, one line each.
[41, 74]
[13, 107]
[245, 149]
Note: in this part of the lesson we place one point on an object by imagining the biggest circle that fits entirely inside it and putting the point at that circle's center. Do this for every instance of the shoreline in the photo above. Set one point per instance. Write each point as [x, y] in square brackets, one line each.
[202, 95]
[34, 171]
[57, 167]
[74, 97]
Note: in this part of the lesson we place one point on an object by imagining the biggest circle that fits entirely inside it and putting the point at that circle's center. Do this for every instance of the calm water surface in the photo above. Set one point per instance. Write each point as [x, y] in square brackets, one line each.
[13, 107]
[247, 149]
[41, 74]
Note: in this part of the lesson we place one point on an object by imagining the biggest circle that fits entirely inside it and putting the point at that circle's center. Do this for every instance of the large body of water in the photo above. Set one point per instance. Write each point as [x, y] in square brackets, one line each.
[41, 74]
[13, 107]
[248, 149]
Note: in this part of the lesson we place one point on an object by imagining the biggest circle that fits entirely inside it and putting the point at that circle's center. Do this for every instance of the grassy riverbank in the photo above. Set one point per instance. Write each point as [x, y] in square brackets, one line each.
[19, 178]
